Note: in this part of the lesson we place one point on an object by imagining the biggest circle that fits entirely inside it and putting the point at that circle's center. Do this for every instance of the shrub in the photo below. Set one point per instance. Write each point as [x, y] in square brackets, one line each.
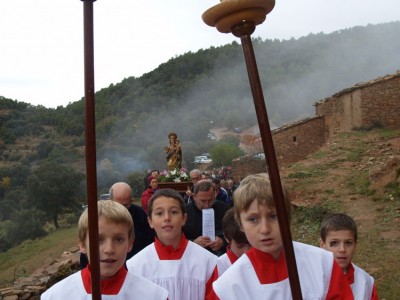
[26, 224]
[299, 175]
[135, 180]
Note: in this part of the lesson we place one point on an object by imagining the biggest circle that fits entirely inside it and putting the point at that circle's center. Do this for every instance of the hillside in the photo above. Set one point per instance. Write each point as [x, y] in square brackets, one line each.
[357, 173]
[194, 92]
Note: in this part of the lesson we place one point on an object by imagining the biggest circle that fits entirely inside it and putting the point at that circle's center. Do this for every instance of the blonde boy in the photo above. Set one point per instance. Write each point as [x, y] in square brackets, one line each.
[339, 236]
[115, 241]
[261, 272]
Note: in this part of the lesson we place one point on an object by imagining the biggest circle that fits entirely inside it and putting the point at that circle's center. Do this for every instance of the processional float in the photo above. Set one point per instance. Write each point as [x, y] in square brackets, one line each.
[239, 17]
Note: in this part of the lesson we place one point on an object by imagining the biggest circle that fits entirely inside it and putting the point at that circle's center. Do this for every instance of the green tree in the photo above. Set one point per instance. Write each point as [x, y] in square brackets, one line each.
[7, 208]
[17, 199]
[5, 243]
[44, 149]
[55, 189]
[223, 154]
[26, 224]
[231, 140]
[135, 180]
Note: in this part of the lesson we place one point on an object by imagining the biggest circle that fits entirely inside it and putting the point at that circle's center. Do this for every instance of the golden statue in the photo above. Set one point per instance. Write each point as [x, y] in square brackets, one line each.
[174, 152]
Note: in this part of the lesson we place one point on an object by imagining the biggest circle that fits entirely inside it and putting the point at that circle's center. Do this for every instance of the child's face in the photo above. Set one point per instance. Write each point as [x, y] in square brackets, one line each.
[114, 245]
[239, 248]
[342, 244]
[260, 224]
[167, 220]
[154, 183]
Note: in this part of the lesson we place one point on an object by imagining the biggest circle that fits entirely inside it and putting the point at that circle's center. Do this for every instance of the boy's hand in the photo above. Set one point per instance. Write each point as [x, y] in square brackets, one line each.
[203, 241]
[217, 244]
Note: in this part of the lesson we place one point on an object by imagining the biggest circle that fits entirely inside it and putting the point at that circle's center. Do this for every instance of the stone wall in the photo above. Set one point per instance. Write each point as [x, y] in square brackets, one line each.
[365, 105]
[381, 103]
[291, 142]
[31, 287]
[246, 165]
[296, 141]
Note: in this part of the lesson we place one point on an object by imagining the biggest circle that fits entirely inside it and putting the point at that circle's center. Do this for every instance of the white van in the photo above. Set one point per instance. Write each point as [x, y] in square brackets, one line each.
[197, 159]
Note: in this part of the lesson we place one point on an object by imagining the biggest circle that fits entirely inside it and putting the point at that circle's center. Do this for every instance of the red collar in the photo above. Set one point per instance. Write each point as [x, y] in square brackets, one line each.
[168, 252]
[232, 256]
[268, 269]
[350, 274]
[109, 286]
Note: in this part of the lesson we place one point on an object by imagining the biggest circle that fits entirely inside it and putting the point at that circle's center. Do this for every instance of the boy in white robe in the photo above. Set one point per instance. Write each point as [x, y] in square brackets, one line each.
[261, 273]
[115, 241]
[182, 267]
[338, 234]
[237, 242]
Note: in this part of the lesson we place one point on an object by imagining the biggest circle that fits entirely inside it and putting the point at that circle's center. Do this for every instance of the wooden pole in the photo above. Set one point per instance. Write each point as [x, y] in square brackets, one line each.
[91, 172]
[244, 31]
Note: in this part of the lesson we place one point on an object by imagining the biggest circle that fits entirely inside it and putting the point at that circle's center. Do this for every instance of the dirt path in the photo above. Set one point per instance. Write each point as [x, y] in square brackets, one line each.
[221, 132]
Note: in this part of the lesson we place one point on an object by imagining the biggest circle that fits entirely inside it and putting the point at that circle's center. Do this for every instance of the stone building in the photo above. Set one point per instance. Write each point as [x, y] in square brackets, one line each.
[295, 141]
[365, 105]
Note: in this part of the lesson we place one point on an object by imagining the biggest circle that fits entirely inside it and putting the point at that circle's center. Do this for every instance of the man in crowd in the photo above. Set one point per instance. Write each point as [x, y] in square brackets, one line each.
[121, 192]
[195, 176]
[221, 194]
[230, 189]
[204, 198]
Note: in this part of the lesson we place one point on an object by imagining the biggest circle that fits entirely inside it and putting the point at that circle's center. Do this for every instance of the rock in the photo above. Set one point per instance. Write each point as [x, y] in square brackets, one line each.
[31, 287]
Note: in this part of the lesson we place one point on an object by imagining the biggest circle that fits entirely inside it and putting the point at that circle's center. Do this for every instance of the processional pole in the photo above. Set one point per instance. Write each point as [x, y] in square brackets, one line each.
[241, 18]
[91, 172]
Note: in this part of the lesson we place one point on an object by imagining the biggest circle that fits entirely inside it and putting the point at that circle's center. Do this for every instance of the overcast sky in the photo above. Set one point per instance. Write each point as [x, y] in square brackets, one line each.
[41, 54]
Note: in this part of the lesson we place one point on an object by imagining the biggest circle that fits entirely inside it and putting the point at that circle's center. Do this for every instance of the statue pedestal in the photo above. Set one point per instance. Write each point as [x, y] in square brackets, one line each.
[180, 187]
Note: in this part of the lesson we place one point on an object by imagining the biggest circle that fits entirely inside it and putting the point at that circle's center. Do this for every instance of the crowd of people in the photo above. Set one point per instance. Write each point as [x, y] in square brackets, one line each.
[216, 241]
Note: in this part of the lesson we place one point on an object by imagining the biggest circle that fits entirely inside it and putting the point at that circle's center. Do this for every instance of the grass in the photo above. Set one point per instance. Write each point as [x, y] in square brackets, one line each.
[307, 219]
[378, 247]
[359, 184]
[30, 255]
[315, 172]
[320, 154]
[25, 258]
[299, 175]
[379, 257]
[388, 134]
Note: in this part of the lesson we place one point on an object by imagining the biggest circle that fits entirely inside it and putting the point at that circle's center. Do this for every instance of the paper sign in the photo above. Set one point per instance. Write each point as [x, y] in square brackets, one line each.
[209, 223]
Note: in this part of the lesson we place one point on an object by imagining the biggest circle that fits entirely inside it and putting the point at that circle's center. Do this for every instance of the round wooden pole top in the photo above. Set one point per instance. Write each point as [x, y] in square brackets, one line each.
[230, 13]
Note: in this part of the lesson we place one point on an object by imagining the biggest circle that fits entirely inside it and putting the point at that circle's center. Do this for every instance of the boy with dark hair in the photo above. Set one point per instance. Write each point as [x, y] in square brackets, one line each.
[182, 267]
[261, 273]
[237, 242]
[116, 237]
[339, 235]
